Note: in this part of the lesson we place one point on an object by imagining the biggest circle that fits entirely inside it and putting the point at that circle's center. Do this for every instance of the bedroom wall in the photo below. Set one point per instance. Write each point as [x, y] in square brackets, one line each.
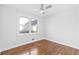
[8, 33]
[63, 26]
[0, 25]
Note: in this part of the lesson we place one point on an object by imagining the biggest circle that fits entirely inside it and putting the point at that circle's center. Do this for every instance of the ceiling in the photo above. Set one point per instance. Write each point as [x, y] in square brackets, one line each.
[35, 8]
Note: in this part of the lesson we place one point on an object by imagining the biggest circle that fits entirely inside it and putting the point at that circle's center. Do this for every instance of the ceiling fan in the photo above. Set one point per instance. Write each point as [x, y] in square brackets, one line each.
[44, 7]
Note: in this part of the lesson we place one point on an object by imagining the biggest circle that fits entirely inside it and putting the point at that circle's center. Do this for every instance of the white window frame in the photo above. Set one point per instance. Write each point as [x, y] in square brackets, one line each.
[29, 26]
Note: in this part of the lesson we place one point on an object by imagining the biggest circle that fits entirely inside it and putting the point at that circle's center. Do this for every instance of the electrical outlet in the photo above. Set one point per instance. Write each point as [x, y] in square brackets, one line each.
[33, 39]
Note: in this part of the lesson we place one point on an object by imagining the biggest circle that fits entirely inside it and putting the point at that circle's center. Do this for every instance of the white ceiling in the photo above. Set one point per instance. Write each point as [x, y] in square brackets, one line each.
[35, 8]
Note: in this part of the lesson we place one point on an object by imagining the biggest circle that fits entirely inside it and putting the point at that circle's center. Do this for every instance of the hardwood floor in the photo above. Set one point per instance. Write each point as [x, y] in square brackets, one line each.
[42, 47]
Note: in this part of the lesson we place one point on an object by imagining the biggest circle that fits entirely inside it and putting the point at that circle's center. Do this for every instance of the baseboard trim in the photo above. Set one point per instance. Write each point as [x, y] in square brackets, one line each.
[39, 40]
[22, 44]
[66, 44]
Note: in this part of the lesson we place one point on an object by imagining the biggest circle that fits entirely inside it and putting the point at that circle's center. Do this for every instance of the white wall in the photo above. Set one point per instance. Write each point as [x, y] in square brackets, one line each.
[0, 26]
[63, 26]
[8, 28]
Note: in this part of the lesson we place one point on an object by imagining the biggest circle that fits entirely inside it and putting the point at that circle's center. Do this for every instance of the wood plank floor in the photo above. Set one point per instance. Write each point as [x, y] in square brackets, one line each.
[42, 47]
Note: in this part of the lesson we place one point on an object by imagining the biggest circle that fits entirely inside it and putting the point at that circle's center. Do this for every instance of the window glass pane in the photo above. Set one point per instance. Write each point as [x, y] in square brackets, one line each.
[34, 26]
[21, 28]
[24, 25]
[23, 20]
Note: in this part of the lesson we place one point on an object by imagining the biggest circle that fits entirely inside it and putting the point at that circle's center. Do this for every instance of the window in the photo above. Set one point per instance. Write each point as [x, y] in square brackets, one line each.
[27, 25]
[34, 26]
[24, 25]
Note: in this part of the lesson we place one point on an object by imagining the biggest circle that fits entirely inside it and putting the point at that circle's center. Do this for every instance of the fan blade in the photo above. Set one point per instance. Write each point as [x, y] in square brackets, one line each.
[49, 6]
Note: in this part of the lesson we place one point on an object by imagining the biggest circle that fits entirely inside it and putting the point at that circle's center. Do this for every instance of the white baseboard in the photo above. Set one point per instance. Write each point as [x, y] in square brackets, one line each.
[39, 40]
[66, 44]
[21, 44]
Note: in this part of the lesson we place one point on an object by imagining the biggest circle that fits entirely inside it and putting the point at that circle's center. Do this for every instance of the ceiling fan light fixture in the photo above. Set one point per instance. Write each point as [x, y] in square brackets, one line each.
[41, 11]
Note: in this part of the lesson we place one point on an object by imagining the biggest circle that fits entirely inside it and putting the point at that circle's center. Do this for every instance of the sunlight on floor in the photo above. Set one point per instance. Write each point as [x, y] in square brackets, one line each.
[33, 51]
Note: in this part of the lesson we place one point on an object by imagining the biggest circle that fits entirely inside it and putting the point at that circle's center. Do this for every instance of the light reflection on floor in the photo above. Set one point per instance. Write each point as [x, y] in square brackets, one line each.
[33, 51]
